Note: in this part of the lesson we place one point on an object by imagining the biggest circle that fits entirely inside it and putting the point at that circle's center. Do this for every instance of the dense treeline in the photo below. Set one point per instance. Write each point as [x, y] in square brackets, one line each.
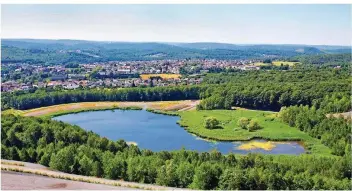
[44, 98]
[71, 149]
[64, 51]
[272, 96]
[333, 132]
[313, 75]
[325, 59]
[270, 90]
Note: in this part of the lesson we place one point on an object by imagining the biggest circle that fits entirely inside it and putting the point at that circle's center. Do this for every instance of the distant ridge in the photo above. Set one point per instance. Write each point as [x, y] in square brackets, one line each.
[65, 50]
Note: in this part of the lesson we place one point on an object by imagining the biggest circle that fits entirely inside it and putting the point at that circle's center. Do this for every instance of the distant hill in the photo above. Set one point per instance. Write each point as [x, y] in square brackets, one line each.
[64, 51]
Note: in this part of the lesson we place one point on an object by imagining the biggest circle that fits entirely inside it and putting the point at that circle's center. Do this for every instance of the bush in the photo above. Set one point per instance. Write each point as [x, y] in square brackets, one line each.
[243, 122]
[253, 125]
[211, 122]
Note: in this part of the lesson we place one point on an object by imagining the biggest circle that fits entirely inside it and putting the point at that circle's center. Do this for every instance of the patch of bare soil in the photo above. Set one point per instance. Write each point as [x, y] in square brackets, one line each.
[58, 185]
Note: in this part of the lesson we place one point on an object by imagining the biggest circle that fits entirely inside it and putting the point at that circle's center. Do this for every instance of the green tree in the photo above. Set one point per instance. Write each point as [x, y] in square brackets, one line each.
[86, 165]
[232, 179]
[206, 176]
[211, 123]
[243, 122]
[253, 125]
[63, 160]
[167, 175]
[97, 170]
[185, 173]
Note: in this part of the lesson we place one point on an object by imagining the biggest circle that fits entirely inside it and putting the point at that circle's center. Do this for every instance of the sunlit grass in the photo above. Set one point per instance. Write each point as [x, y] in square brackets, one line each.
[272, 128]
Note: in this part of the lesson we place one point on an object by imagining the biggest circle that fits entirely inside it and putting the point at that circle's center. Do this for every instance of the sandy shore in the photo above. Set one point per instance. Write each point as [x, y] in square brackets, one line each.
[183, 105]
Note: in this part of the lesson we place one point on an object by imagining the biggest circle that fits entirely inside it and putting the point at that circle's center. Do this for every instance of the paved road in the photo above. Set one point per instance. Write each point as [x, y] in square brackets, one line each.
[56, 179]
[25, 181]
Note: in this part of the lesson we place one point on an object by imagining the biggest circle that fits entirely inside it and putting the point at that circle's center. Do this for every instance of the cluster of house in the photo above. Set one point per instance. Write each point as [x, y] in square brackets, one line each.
[108, 82]
[109, 73]
[238, 64]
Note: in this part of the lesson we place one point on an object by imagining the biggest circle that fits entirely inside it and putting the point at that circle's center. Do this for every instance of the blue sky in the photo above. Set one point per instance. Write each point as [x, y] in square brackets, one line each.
[239, 24]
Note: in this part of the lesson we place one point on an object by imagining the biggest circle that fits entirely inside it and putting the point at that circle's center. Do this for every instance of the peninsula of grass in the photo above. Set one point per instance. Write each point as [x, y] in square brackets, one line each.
[272, 128]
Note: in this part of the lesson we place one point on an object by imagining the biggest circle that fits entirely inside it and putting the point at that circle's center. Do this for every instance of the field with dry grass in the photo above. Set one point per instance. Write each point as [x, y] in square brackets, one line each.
[276, 63]
[86, 106]
[163, 76]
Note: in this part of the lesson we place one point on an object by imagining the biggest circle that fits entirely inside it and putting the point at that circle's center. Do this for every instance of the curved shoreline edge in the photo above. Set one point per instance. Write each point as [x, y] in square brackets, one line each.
[308, 145]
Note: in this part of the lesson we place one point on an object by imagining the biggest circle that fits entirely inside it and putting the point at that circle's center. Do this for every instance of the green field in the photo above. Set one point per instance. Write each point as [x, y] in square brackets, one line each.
[276, 63]
[272, 128]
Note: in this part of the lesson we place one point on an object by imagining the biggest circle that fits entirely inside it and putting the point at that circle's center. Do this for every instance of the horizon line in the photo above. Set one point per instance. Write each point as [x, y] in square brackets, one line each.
[164, 42]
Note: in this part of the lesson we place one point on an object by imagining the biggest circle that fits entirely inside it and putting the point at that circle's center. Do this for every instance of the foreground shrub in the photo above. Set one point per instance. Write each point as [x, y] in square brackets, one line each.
[253, 125]
[211, 123]
[243, 122]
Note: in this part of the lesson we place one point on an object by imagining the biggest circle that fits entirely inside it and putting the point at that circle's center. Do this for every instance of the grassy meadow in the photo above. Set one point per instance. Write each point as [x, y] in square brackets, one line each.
[272, 128]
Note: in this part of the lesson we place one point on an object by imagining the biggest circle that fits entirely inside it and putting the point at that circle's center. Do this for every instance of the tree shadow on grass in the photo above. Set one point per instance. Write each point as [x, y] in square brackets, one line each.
[218, 127]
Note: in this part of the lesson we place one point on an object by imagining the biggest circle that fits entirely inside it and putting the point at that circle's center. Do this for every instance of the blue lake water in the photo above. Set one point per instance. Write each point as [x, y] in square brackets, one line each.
[158, 132]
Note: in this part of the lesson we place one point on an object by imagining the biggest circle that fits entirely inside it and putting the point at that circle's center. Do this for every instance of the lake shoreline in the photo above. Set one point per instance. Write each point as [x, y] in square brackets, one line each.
[154, 130]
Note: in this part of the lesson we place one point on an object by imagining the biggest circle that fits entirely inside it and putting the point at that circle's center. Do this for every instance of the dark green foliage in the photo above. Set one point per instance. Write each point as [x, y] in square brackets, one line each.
[270, 90]
[206, 176]
[211, 123]
[64, 51]
[89, 154]
[333, 132]
[42, 98]
[325, 59]
[64, 159]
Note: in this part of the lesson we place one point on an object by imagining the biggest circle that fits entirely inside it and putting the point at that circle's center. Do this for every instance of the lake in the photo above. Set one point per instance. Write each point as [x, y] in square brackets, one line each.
[161, 132]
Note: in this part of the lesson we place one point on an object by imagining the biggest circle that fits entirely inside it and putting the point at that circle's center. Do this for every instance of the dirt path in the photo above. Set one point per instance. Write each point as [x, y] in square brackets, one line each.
[34, 176]
[25, 181]
[191, 106]
[346, 115]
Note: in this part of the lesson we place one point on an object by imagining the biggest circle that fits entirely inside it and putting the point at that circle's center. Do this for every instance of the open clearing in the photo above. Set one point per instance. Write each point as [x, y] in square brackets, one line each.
[163, 76]
[75, 107]
[272, 128]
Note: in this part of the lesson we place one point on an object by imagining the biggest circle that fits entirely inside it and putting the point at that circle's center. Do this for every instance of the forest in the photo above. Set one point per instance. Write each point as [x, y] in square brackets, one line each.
[64, 51]
[271, 90]
[70, 149]
[303, 96]
[267, 90]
